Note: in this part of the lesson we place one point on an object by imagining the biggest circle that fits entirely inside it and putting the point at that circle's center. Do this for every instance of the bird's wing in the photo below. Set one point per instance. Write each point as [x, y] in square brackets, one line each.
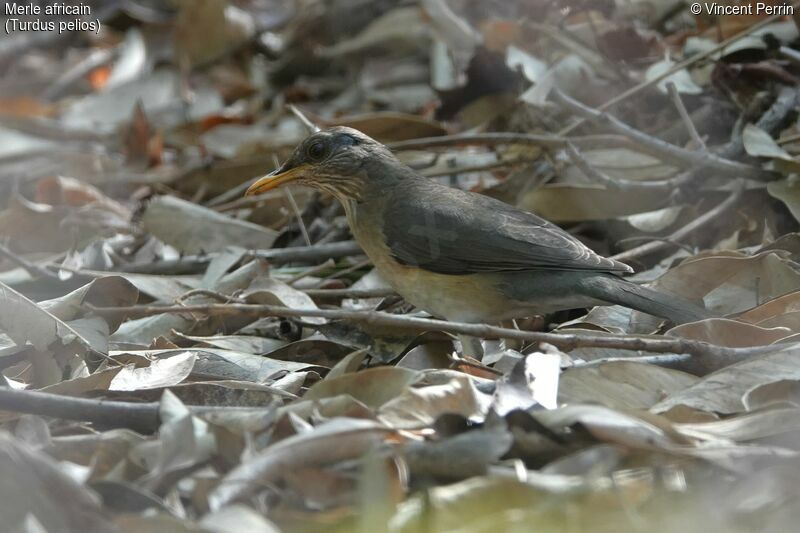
[449, 231]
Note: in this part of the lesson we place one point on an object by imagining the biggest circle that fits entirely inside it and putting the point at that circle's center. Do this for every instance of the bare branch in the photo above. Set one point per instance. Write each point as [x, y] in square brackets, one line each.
[546, 141]
[668, 185]
[669, 152]
[276, 256]
[709, 355]
[141, 417]
[31, 268]
[677, 101]
[681, 233]
[684, 64]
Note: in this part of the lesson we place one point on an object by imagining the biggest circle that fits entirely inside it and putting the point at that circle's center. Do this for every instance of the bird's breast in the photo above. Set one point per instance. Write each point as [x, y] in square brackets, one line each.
[464, 298]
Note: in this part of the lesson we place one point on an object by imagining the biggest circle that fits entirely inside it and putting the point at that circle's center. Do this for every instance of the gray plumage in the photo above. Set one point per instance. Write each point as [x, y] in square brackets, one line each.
[462, 255]
[450, 231]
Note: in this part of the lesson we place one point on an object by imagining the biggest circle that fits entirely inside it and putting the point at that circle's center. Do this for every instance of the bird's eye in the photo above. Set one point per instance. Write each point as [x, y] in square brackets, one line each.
[316, 151]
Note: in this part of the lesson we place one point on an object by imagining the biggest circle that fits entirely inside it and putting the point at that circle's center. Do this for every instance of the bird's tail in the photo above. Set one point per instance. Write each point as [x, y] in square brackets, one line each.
[619, 291]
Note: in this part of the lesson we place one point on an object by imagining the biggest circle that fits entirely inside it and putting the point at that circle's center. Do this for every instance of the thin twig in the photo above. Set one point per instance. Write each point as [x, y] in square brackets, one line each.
[33, 269]
[316, 269]
[677, 101]
[674, 361]
[663, 149]
[791, 53]
[312, 128]
[214, 295]
[682, 65]
[587, 142]
[293, 205]
[338, 294]
[297, 215]
[648, 238]
[141, 417]
[248, 201]
[500, 163]
[667, 185]
[681, 233]
[94, 60]
[345, 271]
[276, 256]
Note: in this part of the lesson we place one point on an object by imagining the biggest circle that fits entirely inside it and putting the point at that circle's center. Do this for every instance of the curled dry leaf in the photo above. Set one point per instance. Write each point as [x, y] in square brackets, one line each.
[732, 333]
[33, 484]
[25, 322]
[373, 386]
[732, 282]
[722, 391]
[162, 372]
[223, 364]
[269, 291]
[401, 28]
[421, 406]
[327, 444]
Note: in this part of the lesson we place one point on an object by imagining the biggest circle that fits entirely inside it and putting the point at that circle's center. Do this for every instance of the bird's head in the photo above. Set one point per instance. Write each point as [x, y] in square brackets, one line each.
[338, 160]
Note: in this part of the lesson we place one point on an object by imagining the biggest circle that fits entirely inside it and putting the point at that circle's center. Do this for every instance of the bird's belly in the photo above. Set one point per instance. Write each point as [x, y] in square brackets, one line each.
[470, 298]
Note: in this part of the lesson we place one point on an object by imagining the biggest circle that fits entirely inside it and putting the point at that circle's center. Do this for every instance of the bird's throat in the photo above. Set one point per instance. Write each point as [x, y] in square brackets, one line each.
[351, 211]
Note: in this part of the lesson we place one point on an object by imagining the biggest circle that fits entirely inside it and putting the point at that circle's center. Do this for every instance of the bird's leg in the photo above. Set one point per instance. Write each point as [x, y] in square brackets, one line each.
[471, 347]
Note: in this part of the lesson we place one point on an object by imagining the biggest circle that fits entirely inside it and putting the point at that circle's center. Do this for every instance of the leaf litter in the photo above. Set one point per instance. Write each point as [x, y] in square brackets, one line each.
[131, 267]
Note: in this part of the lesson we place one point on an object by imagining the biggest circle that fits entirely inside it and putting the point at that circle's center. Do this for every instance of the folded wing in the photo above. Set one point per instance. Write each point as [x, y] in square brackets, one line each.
[449, 231]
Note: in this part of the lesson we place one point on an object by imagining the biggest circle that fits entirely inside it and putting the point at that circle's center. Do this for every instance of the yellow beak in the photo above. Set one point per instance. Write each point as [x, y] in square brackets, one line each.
[271, 181]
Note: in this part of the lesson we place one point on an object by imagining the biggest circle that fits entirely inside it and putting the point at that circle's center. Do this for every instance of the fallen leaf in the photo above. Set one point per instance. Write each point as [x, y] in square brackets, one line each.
[621, 384]
[731, 333]
[194, 229]
[722, 391]
[421, 406]
[327, 444]
[373, 386]
[162, 372]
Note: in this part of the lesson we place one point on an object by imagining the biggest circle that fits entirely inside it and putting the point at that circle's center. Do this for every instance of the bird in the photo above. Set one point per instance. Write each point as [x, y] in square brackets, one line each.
[458, 255]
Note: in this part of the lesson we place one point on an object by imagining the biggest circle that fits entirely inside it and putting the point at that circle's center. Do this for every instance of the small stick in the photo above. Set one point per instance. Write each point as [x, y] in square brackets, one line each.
[334, 294]
[677, 101]
[330, 263]
[665, 150]
[312, 128]
[709, 355]
[33, 269]
[586, 142]
[667, 185]
[295, 210]
[276, 256]
[346, 271]
[141, 417]
[682, 65]
[681, 233]
[648, 238]
[298, 215]
[94, 60]
[214, 295]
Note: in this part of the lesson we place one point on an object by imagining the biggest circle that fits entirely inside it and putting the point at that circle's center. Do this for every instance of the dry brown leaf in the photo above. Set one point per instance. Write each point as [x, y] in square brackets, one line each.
[621, 384]
[722, 391]
[730, 333]
[373, 386]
